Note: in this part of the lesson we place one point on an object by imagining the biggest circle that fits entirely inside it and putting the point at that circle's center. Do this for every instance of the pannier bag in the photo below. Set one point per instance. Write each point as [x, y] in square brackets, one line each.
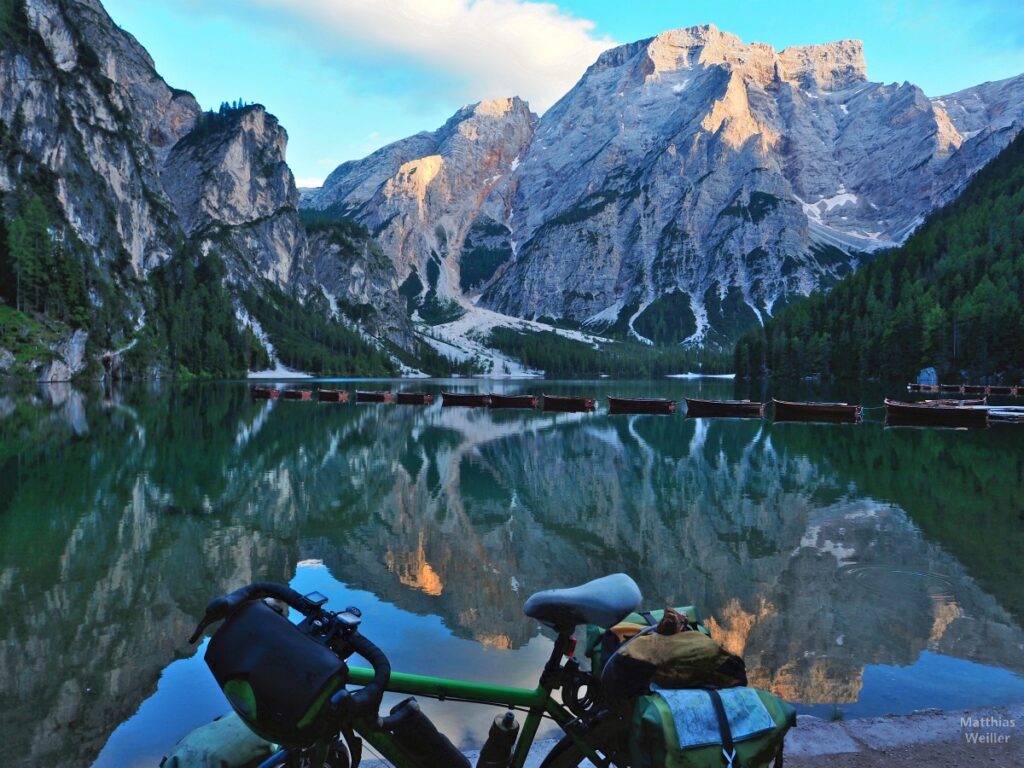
[277, 678]
[673, 654]
[744, 728]
[225, 743]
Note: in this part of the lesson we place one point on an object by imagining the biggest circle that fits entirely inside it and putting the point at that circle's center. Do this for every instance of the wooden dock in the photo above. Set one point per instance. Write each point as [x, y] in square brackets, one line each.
[970, 389]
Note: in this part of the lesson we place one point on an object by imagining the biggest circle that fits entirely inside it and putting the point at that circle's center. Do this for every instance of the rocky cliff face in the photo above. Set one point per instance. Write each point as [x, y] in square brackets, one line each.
[689, 177]
[433, 200]
[133, 166]
[730, 177]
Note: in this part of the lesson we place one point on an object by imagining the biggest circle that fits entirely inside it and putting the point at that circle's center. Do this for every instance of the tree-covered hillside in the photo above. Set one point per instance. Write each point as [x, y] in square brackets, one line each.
[951, 297]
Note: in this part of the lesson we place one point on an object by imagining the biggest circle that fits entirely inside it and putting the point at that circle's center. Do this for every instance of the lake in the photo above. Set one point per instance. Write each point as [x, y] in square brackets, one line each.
[859, 570]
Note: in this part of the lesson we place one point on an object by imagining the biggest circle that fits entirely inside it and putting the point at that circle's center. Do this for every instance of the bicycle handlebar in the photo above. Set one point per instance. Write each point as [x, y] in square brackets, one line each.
[223, 606]
[366, 699]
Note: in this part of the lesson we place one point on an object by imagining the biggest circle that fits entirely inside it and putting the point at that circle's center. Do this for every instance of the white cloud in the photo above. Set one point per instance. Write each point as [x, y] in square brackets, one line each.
[309, 182]
[486, 48]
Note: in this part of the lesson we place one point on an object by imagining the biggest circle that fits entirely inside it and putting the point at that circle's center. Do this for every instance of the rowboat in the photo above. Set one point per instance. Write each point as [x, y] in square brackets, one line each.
[364, 396]
[265, 393]
[790, 411]
[468, 399]
[922, 414]
[514, 401]
[415, 398]
[960, 403]
[741, 408]
[296, 394]
[641, 405]
[332, 395]
[572, 404]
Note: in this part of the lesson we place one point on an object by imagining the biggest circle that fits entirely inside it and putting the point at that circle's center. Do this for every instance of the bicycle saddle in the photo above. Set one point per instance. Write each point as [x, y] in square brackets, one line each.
[605, 601]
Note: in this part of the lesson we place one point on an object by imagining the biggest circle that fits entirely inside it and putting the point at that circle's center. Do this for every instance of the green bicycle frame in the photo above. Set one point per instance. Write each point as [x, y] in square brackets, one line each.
[538, 702]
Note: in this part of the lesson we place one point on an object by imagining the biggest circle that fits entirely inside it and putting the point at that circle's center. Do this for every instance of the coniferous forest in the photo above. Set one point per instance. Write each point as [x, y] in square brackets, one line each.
[951, 297]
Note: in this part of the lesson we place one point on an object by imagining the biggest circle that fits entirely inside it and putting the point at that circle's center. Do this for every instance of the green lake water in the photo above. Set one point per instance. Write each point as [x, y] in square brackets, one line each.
[857, 569]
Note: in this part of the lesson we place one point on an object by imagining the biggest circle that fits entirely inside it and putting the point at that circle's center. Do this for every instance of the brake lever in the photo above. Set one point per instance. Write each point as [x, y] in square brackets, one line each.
[200, 628]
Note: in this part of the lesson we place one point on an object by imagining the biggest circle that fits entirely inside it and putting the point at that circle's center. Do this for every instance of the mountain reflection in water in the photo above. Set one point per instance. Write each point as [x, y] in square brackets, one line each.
[831, 557]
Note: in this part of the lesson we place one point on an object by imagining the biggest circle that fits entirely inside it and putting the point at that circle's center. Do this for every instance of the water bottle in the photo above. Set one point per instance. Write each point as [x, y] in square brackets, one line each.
[497, 751]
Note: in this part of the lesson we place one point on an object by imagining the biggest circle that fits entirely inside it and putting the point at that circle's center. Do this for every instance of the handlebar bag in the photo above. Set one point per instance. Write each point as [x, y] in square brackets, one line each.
[697, 728]
[277, 678]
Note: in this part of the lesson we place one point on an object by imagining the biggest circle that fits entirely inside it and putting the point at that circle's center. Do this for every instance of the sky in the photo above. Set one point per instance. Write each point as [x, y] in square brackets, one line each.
[346, 77]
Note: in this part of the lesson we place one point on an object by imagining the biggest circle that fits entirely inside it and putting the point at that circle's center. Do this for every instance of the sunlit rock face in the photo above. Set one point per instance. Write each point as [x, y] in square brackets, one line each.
[422, 197]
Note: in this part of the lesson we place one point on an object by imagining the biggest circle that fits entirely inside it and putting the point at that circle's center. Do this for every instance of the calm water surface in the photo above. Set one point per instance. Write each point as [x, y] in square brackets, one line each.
[856, 568]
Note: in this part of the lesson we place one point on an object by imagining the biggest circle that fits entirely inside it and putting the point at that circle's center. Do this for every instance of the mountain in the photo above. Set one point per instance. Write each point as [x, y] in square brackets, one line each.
[688, 186]
[108, 176]
[436, 202]
[949, 298]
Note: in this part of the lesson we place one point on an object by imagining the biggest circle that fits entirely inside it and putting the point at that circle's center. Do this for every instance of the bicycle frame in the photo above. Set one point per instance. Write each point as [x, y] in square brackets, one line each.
[538, 702]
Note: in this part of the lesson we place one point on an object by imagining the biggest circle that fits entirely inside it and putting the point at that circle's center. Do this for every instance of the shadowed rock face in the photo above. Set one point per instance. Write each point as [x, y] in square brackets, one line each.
[690, 163]
[110, 546]
[133, 167]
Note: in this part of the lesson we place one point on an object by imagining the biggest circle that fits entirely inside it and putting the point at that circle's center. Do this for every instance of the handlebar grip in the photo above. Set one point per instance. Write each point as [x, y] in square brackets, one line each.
[224, 605]
[366, 700]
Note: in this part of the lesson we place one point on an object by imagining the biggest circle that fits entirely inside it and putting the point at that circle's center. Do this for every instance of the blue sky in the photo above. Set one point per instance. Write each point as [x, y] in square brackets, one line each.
[348, 76]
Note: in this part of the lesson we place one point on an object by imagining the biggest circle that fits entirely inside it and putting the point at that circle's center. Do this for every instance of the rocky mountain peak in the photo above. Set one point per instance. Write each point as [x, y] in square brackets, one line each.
[827, 67]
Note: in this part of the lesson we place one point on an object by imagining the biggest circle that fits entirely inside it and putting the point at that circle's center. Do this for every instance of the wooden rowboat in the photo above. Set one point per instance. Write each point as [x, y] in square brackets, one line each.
[738, 408]
[790, 411]
[365, 396]
[296, 394]
[514, 401]
[641, 405]
[265, 393]
[921, 414]
[568, 404]
[466, 399]
[415, 398]
[332, 395]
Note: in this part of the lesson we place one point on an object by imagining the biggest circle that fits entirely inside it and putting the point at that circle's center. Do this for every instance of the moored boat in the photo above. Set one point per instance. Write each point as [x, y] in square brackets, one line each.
[332, 395]
[786, 410]
[568, 404]
[297, 394]
[265, 393]
[933, 415]
[469, 399]
[374, 396]
[696, 408]
[641, 405]
[514, 401]
[414, 398]
[960, 403]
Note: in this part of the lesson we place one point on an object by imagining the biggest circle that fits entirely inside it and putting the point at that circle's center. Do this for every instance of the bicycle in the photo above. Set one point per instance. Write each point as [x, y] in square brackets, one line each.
[593, 729]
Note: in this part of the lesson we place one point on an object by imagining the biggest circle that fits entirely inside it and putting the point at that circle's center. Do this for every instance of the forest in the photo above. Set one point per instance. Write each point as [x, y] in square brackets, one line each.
[951, 297]
[560, 357]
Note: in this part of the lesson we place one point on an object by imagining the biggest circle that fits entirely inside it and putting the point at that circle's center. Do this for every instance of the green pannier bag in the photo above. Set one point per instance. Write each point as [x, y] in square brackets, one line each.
[684, 728]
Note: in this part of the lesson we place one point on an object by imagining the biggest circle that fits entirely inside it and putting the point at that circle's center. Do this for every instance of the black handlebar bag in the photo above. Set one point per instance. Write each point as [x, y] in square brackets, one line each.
[277, 678]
